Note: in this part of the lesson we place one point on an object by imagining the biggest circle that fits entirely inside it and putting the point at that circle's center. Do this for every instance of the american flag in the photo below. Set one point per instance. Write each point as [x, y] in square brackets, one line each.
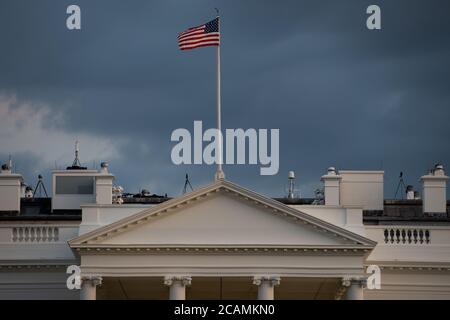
[205, 35]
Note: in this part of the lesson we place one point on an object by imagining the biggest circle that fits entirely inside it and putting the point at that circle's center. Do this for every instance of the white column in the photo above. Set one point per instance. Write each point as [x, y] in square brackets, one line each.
[89, 287]
[266, 286]
[355, 286]
[177, 286]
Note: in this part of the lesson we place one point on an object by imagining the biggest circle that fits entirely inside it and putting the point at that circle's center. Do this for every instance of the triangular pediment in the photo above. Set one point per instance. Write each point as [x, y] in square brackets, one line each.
[222, 214]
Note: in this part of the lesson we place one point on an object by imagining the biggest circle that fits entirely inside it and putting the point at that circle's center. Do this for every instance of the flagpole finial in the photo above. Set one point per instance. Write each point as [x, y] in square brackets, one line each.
[217, 11]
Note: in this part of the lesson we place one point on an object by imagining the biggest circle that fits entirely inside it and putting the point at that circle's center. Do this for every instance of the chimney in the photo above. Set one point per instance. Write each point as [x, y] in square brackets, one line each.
[331, 181]
[10, 189]
[434, 190]
[103, 185]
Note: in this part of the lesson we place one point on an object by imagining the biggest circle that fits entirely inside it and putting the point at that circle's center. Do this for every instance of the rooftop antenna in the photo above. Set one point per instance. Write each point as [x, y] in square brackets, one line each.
[400, 186]
[10, 162]
[187, 184]
[40, 186]
[291, 187]
[76, 165]
[76, 161]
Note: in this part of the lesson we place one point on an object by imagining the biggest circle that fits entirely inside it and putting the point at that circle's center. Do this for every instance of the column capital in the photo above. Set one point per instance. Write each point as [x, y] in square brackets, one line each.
[95, 280]
[273, 280]
[89, 287]
[185, 280]
[354, 280]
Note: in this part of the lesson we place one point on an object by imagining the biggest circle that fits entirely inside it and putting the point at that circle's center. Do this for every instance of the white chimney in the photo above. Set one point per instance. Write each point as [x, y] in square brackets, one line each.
[434, 190]
[10, 189]
[331, 181]
[104, 185]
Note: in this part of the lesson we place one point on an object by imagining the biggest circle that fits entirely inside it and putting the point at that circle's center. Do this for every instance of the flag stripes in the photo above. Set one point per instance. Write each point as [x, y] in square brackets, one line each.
[205, 35]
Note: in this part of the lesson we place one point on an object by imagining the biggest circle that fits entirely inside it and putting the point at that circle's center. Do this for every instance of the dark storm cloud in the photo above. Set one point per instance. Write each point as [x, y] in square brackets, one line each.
[341, 95]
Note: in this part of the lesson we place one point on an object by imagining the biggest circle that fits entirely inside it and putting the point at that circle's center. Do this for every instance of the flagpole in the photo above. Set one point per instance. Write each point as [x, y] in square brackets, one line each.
[220, 175]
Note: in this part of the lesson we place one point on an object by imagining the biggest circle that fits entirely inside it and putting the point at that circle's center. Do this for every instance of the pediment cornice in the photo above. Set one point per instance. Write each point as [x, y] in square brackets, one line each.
[229, 249]
[95, 237]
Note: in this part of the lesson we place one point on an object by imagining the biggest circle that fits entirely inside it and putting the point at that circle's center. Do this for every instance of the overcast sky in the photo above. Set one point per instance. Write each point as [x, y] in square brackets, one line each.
[340, 94]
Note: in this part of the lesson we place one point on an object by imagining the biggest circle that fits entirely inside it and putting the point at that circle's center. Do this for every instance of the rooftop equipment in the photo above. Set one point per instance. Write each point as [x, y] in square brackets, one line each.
[39, 188]
[401, 187]
[187, 184]
[291, 187]
[76, 165]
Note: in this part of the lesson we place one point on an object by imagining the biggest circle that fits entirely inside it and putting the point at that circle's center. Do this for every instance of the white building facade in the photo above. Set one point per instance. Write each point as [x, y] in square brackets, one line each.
[223, 241]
